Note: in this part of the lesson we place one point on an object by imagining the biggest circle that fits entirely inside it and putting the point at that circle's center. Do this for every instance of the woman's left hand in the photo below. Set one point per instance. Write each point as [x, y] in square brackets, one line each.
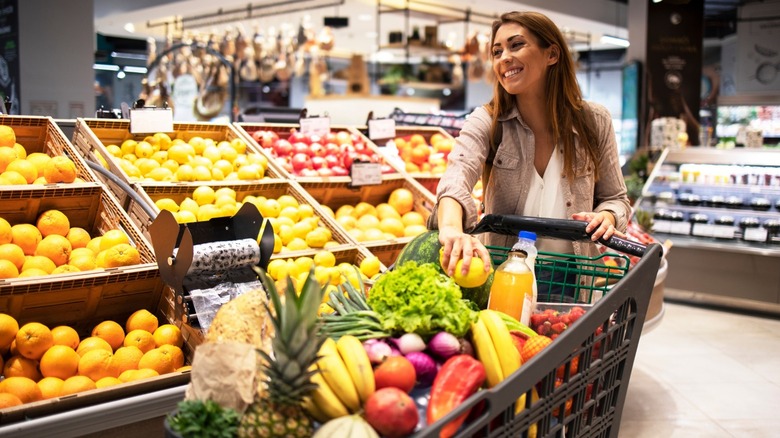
[602, 224]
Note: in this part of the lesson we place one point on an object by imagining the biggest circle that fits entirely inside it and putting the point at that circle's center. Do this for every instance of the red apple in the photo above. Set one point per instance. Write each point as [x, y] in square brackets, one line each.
[300, 148]
[318, 163]
[301, 161]
[317, 150]
[332, 160]
[282, 147]
[391, 412]
[332, 148]
[297, 136]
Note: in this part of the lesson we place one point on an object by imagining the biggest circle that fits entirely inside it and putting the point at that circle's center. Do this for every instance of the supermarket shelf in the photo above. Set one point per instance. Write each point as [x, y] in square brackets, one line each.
[100, 417]
[659, 186]
[733, 246]
[744, 156]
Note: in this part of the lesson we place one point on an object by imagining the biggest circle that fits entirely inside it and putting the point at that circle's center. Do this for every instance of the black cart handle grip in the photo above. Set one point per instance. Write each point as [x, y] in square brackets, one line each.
[565, 229]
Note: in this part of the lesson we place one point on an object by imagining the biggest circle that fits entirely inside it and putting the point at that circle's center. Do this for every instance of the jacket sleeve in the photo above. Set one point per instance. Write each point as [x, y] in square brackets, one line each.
[610, 191]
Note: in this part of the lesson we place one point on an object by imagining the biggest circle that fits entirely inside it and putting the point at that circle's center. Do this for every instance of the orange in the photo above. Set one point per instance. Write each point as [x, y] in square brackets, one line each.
[60, 361]
[168, 334]
[7, 155]
[412, 218]
[5, 231]
[94, 244]
[33, 339]
[65, 269]
[141, 320]
[12, 253]
[140, 374]
[9, 400]
[8, 269]
[93, 343]
[395, 372]
[53, 222]
[111, 332]
[39, 262]
[21, 152]
[183, 369]
[7, 136]
[24, 168]
[60, 169]
[157, 360]
[20, 366]
[402, 200]
[385, 210]
[393, 226]
[112, 238]
[83, 262]
[77, 384]
[121, 255]
[33, 272]
[12, 178]
[79, 252]
[50, 387]
[107, 381]
[78, 237]
[8, 329]
[56, 247]
[177, 356]
[96, 364]
[417, 139]
[126, 358]
[39, 160]
[65, 335]
[26, 389]
[140, 339]
[27, 236]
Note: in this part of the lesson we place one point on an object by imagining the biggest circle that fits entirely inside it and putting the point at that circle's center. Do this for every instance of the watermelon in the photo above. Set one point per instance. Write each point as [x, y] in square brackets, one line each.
[425, 249]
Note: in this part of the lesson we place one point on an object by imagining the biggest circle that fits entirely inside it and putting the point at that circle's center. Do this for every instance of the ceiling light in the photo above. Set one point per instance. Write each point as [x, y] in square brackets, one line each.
[133, 69]
[130, 27]
[120, 74]
[615, 41]
[365, 17]
[105, 67]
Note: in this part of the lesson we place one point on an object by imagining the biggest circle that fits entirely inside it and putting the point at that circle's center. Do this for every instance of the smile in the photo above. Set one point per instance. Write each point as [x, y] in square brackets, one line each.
[513, 72]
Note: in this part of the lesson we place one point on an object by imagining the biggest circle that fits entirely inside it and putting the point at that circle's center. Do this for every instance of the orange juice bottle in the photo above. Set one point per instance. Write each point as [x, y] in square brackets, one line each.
[514, 283]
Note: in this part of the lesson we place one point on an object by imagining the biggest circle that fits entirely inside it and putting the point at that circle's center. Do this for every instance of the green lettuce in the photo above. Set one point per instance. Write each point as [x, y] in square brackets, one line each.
[420, 299]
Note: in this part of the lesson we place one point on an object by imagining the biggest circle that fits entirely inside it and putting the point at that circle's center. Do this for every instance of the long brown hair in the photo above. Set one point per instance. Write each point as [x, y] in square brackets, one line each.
[565, 107]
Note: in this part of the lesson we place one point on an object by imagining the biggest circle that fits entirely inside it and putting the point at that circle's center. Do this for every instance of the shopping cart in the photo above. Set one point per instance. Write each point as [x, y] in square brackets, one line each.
[577, 386]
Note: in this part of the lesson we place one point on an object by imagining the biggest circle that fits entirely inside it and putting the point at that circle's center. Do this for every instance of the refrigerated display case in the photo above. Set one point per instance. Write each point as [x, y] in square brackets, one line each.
[721, 209]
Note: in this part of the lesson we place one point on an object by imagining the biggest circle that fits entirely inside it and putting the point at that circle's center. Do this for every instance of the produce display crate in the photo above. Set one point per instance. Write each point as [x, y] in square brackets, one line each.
[84, 299]
[334, 195]
[576, 386]
[91, 137]
[283, 131]
[41, 134]
[427, 179]
[271, 189]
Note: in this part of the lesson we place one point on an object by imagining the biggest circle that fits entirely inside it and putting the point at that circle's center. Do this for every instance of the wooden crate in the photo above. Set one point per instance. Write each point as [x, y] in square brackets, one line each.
[335, 195]
[270, 189]
[283, 131]
[41, 134]
[91, 137]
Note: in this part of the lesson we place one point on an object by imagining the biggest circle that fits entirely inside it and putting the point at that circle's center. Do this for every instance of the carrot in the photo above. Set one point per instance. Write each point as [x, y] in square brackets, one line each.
[459, 378]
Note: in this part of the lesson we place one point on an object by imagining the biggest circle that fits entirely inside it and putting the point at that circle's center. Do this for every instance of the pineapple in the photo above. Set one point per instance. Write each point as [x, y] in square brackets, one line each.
[279, 413]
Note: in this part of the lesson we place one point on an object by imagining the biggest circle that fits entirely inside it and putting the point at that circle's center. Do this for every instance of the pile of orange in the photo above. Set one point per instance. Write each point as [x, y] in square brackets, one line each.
[424, 156]
[19, 168]
[39, 363]
[52, 246]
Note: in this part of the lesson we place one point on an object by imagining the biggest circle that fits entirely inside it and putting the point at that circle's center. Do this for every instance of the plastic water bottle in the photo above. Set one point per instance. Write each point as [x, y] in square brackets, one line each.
[514, 283]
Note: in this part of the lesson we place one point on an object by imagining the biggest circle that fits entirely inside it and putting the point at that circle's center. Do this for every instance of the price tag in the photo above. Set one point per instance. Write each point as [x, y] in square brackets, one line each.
[662, 226]
[315, 126]
[366, 174]
[723, 232]
[755, 234]
[147, 121]
[681, 228]
[702, 230]
[381, 129]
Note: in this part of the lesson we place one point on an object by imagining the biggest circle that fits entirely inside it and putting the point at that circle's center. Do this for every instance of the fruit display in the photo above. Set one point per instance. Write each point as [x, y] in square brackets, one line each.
[303, 155]
[41, 363]
[20, 166]
[423, 152]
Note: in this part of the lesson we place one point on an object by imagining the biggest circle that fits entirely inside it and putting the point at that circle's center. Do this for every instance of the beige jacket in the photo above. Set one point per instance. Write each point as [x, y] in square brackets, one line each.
[512, 169]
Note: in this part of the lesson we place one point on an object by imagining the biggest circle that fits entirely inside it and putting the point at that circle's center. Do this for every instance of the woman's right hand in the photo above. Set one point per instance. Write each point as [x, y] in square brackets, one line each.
[458, 245]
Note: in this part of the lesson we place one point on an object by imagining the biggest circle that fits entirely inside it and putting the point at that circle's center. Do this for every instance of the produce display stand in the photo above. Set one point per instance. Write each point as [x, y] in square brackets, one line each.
[596, 392]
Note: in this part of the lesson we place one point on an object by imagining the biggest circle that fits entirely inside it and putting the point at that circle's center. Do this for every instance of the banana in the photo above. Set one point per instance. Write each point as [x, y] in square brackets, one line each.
[486, 353]
[325, 399]
[335, 372]
[509, 358]
[359, 366]
[313, 410]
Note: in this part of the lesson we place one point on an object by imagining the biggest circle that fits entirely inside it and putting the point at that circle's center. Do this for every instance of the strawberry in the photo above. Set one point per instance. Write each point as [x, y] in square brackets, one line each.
[558, 327]
[537, 318]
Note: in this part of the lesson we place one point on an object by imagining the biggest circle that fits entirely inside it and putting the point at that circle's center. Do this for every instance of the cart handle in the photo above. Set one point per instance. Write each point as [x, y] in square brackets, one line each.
[565, 229]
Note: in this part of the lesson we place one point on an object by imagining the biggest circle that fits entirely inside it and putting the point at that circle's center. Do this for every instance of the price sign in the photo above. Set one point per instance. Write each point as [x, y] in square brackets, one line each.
[702, 230]
[315, 126]
[366, 174]
[380, 129]
[755, 234]
[147, 121]
[681, 228]
[723, 231]
[662, 226]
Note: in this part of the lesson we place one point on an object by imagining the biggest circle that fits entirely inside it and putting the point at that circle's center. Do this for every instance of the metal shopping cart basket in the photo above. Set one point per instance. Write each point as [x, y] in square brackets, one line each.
[577, 386]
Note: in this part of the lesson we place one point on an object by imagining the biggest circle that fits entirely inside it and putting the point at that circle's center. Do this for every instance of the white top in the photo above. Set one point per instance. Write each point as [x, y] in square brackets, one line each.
[545, 199]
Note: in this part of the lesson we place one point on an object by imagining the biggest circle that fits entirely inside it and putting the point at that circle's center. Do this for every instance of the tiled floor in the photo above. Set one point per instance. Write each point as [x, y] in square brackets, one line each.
[705, 373]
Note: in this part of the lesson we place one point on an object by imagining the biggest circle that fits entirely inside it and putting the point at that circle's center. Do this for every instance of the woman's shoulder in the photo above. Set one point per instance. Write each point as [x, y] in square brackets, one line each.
[599, 111]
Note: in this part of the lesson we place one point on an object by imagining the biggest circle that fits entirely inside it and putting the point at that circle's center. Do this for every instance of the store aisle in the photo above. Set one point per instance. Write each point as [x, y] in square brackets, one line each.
[705, 373]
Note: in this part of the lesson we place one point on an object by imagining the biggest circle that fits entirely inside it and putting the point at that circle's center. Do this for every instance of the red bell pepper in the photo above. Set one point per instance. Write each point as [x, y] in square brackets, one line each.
[459, 378]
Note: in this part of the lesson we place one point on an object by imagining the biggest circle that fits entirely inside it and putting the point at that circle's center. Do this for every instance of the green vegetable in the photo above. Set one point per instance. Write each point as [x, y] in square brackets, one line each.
[353, 316]
[420, 299]
[204, 419]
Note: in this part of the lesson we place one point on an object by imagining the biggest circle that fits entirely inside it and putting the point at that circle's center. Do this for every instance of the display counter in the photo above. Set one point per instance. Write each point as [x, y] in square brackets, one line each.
[721, 209]
[353, 109]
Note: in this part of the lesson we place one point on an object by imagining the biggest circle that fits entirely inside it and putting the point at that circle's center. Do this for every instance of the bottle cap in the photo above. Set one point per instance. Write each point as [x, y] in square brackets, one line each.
[530, 235]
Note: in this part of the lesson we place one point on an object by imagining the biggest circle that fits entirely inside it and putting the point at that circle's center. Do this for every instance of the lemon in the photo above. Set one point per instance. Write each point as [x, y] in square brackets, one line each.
[475, 277]
[297, 244]
[128, 146]
[212, 153]
[224, 165]
[203, 195]
[217, 174]
[190, 205]
[202, 173]
[185, 172]
[325, 259]
[114, 150]
[239, 145]
[277, 244]
[324, 309]
[186, 217]
[304, 263]
[167, 204]
[250, 172]
[270, 208]
[305, 211]
[370, 266]
[181, 153]
[160, 174]
[144, 150]
[301, 229]
[329, 212]
[316, 238]
[288, 201]
[226, 191]
[286, 233]
[291, 212]
[322, 275]
[275, 266]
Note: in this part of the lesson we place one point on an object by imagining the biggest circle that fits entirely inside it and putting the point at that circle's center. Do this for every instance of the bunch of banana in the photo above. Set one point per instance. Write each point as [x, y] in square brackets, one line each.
[345, 379]
[491, 336]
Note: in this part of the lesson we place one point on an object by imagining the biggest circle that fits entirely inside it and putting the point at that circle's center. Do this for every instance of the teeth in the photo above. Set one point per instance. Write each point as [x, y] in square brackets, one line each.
[511, 73]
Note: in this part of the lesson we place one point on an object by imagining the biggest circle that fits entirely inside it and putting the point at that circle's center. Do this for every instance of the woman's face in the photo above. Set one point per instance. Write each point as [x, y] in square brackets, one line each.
[519, 63]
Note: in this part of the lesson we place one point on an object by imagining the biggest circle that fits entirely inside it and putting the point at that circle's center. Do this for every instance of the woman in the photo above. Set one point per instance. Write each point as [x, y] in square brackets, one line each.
[554, 155]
